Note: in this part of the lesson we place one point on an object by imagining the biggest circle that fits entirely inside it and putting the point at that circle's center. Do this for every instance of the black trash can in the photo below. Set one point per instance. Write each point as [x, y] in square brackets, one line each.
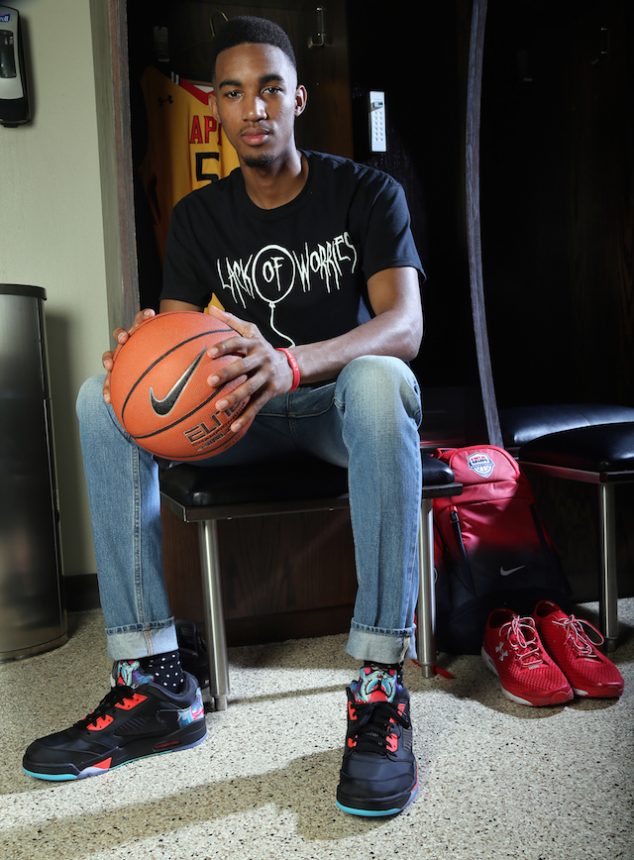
[32, 613]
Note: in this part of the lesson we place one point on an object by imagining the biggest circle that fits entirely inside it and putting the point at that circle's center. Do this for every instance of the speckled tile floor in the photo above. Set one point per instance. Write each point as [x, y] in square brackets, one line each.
[497, 780]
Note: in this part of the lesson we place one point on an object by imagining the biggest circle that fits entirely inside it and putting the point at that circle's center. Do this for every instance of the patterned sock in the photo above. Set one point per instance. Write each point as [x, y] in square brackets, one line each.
[377, 682]
[164, 669]
[385, 667]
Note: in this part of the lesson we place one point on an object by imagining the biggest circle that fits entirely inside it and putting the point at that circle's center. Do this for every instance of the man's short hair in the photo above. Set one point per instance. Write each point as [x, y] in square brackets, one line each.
[246, 28]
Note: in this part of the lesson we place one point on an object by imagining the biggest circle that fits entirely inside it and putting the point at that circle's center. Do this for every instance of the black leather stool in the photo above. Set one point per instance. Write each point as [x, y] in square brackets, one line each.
[206, 495]
[601, 455]
[522, 424]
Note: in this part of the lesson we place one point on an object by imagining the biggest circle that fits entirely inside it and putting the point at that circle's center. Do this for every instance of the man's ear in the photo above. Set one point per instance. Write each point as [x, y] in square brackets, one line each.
[213, 104]
[301, 99]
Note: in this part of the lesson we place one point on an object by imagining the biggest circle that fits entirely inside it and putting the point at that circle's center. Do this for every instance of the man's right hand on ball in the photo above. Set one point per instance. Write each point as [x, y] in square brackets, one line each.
[121, 336]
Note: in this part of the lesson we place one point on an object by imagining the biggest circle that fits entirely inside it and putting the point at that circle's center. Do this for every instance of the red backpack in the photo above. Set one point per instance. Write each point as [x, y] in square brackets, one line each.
[490, 548]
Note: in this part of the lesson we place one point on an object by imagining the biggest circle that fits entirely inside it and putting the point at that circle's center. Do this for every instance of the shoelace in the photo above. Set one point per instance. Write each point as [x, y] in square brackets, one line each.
[371, 728]
[577, 636]
[527, 648]
[114, 697]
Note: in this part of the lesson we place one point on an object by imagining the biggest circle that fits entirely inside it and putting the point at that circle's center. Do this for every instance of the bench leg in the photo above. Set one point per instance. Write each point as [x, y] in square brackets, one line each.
[426, 613]
[214, 617]
[608, 605]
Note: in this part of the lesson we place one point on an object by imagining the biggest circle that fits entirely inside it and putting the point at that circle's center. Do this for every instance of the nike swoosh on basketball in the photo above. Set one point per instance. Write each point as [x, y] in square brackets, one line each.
[163, 406]
[504, 572]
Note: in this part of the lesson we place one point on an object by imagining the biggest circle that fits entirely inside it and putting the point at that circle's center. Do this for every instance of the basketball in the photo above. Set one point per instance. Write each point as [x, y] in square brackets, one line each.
[159, 389]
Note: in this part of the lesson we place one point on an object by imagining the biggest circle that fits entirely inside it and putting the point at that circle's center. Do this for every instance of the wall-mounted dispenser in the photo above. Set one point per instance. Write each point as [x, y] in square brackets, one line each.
[14, 102]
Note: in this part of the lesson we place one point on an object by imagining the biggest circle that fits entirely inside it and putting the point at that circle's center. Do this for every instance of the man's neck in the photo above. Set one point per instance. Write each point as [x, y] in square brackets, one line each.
[275, 184]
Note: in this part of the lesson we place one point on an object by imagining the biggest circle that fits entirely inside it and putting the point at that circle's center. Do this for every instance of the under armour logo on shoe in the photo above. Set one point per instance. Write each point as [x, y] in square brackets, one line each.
[501, 652]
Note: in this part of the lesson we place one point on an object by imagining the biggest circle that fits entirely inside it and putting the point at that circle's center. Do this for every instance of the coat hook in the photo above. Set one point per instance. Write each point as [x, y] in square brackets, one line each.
[318, 40]
[211, 23]
[604, 46]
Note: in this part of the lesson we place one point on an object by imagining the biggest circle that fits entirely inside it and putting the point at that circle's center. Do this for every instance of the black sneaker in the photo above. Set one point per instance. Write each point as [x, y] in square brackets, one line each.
[128, 724]
[379, 774]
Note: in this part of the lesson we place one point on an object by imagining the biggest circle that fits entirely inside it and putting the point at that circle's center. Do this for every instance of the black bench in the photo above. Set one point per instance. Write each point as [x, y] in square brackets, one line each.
[591, 444]
[601, 455]
[206, 495]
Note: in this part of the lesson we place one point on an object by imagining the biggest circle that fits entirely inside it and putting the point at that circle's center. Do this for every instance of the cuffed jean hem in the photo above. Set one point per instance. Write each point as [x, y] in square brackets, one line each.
[383, 646]
[141, 640]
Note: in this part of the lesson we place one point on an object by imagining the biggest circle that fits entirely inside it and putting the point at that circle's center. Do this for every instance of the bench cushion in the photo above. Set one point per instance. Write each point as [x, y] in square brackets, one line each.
[604, 448]
[200, 486]
[521, 424]
[305, 478]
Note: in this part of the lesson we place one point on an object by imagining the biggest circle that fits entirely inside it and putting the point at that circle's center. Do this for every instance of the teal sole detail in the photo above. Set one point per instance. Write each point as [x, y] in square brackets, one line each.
[367, 813]
[377, 813]
[52, 777]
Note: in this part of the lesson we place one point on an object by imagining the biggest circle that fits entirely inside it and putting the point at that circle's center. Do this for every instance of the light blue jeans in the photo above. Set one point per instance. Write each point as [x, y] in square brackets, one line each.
[367, 420]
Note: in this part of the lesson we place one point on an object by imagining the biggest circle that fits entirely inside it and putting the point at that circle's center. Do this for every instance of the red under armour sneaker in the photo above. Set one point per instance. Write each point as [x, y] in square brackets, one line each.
[513, 651]
[589, 671]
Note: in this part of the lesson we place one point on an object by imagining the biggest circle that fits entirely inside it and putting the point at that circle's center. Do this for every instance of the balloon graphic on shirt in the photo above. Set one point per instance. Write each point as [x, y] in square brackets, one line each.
[273, 279]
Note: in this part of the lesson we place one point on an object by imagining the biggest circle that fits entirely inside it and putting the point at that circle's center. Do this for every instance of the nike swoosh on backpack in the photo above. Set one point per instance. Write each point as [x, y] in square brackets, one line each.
[164, 406]
[504, 572]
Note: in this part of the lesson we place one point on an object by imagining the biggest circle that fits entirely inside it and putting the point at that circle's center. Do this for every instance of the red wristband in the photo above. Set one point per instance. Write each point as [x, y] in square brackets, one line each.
[294, 366]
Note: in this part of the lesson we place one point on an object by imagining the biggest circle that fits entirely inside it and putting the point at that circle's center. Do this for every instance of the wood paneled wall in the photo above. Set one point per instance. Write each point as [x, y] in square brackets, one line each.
[557, 200]
[282, 576]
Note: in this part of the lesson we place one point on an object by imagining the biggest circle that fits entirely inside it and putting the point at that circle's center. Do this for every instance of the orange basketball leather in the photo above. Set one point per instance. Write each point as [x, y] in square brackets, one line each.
[159, 389]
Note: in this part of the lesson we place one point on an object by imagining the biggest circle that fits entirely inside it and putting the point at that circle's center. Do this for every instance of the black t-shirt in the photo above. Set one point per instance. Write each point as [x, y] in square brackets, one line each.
[299, 272]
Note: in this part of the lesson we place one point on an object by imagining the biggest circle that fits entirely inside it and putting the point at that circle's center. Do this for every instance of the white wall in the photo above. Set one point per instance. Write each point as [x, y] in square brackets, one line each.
[51, 232]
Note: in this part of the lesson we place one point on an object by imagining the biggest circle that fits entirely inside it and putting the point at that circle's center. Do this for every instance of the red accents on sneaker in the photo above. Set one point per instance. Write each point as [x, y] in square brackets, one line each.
[568, 642]
[513, 650]
[132, 702]
[100, 723]
[104, 765]
[165, 745]
[125, 704]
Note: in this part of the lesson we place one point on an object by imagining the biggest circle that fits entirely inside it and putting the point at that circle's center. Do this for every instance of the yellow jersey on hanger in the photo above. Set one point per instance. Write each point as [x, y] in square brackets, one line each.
[186, 147]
